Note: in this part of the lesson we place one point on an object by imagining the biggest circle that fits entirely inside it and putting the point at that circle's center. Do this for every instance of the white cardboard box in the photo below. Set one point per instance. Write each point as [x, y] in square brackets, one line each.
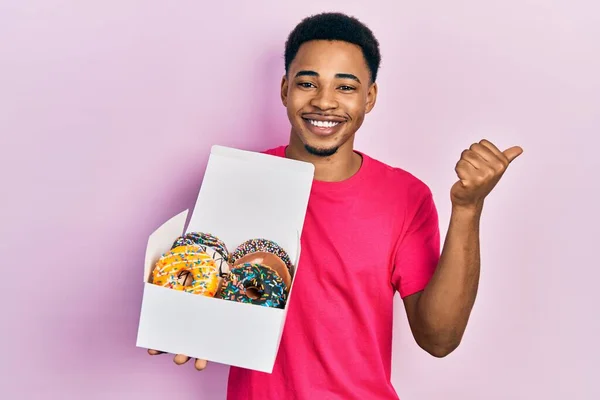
[244, 195]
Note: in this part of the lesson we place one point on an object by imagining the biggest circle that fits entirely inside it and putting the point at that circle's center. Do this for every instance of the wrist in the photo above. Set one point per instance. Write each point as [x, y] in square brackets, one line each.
[467, 210]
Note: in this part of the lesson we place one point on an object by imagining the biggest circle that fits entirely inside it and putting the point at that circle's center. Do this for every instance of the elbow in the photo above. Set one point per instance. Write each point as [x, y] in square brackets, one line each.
[441, 351]
[439, 348]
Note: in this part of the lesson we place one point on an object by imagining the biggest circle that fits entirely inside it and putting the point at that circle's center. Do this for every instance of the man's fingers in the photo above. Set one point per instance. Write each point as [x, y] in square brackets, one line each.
[464, 170]
[492, 147]
[473, 158]
[180, 359]
[507, 155]
[200, 364]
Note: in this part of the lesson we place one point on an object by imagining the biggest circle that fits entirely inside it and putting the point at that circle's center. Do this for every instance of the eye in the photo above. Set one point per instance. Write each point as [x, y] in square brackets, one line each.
[306, 85]
[347, 88]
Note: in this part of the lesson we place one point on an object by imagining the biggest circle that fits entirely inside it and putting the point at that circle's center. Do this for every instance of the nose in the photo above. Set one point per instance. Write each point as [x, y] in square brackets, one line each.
[324, 99]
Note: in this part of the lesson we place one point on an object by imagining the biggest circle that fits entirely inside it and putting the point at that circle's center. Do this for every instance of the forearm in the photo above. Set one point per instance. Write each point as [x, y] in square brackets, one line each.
[444, 307]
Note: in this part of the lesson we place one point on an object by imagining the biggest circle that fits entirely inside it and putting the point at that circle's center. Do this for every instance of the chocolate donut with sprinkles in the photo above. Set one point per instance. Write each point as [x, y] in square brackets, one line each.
[254, 284]
[267, 253]
[209, 244]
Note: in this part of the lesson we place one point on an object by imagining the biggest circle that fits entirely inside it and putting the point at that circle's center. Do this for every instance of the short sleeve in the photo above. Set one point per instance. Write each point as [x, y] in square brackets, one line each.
[418, 250]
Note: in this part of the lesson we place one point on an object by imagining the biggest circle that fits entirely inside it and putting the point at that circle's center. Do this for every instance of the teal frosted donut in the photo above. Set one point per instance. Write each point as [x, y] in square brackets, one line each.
[254, 284]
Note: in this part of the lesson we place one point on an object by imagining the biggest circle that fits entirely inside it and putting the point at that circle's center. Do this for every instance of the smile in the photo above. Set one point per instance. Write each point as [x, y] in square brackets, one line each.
[323, 128]
[323, 124]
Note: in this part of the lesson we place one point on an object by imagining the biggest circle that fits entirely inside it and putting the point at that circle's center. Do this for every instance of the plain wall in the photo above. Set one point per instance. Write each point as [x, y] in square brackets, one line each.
[107, 114]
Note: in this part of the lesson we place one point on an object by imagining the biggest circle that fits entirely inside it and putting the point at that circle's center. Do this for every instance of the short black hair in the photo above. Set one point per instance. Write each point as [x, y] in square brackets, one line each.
[334, 26]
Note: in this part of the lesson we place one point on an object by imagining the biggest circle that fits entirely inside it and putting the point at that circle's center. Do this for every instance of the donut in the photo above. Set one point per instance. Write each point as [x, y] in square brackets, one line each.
[187, 268]
[264, 252]
[209, 244]
[254, 284]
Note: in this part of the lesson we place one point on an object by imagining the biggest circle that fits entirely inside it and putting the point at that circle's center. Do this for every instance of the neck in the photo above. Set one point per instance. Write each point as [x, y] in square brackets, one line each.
[338, 167]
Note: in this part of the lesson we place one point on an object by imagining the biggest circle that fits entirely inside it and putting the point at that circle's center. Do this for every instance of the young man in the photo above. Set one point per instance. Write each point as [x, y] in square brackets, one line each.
[370, 230]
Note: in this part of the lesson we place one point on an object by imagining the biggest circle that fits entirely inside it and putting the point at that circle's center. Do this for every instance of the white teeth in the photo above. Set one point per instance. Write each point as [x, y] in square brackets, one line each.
[323, 124]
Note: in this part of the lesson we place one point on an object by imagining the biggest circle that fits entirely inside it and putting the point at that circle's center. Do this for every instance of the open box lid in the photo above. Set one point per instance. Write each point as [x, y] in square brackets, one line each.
[275, 193]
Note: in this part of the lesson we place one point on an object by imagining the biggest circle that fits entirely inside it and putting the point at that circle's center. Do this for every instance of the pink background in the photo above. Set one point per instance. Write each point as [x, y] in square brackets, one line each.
[108, 112]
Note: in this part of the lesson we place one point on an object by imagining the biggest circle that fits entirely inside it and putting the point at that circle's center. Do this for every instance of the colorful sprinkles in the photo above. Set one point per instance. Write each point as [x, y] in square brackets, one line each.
[175, 266]
[265, 282]
[209, 244]
[264, 245]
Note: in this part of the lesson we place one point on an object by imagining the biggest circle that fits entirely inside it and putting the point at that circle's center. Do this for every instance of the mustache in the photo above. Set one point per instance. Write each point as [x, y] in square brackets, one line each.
[329, 116]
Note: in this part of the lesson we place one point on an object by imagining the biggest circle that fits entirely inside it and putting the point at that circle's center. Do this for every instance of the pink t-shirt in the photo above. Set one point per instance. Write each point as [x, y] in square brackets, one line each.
[363, 239]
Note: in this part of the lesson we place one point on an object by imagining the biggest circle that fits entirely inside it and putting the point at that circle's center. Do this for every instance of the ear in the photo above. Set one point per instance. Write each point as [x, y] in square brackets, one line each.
[371, 98]
[284, 90]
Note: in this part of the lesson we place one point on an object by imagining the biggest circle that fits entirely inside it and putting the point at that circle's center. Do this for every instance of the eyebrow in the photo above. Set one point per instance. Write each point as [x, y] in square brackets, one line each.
[338, 76]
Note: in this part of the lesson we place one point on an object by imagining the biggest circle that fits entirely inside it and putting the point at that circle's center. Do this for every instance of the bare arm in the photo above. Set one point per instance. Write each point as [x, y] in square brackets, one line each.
[439, 314]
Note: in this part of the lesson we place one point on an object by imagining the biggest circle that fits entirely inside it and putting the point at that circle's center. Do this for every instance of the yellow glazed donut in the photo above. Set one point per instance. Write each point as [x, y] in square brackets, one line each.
[189, 269]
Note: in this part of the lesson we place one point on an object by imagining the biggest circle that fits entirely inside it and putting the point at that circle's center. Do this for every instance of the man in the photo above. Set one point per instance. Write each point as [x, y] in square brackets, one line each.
[370, 230]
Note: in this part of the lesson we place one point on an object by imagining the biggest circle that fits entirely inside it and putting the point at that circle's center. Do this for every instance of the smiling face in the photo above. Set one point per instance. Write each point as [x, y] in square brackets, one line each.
[327, 93]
